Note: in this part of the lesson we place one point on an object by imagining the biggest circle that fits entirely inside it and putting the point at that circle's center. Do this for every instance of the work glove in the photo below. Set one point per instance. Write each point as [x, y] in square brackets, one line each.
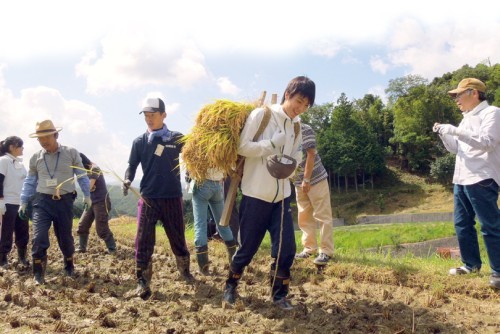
[22, 211]
[2, 207]
[87, 202]
[447, 129]
[125, 186]
[279, 139]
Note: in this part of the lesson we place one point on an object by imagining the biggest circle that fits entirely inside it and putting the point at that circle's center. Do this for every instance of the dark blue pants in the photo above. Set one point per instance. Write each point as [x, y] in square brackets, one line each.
[479, 199]
[257, 217]
[47, 211]
[169, 212]
[12, 224]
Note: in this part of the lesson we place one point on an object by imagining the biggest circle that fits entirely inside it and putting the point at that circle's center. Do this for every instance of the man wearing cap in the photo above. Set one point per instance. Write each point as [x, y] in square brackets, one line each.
[50, 181]
[476, 143]
[157, 151]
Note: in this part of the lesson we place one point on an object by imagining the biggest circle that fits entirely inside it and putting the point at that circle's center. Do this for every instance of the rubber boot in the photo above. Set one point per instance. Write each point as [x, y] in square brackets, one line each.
[183, 267]
[280, 291]
[21, 254]
[202, 258]
[230, 288]
[4, 262]
[84, 239]
[144, 274]
[111, 244]
[69, 266]
[231, 247]
[39, 266]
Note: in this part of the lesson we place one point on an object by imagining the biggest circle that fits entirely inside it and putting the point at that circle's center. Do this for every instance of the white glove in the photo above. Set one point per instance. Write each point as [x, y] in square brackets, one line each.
[126, 184]
[279, 139]
[22, 211]
[436, 126]
[448, 129]
[87, 202]
[2, 207]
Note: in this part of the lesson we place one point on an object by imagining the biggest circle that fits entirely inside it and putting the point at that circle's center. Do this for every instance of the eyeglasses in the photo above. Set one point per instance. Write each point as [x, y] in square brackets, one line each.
[462, 93]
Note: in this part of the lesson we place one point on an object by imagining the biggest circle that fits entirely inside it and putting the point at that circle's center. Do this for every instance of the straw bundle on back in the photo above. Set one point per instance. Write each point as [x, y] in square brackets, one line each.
[213, 141]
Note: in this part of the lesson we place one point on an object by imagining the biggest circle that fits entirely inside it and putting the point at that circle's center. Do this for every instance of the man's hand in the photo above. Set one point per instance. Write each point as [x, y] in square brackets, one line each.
[125, 186]
[87, 202]
[279, 139]
[22, 211]
[448, 129]
[2, 207]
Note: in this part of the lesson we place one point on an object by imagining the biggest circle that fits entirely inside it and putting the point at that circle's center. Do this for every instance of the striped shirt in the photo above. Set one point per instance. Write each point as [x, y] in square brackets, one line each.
[309, 142]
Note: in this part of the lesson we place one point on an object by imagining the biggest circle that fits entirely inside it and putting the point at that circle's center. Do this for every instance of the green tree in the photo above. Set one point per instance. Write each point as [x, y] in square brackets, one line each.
[318, 117]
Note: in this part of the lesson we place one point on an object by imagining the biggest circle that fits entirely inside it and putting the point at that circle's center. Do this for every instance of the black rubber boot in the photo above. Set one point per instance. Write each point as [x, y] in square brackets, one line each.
[82, 247]
[69, 267]
[280, 291]
[183, 267]
[144, 274]
[4, 262]
[39, 266]
[21, 254]
[111, 244]
[202, 258]
[230, 288]
[232, 247]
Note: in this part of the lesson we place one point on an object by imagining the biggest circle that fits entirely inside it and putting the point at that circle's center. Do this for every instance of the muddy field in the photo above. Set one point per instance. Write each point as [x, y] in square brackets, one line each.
[344, 298]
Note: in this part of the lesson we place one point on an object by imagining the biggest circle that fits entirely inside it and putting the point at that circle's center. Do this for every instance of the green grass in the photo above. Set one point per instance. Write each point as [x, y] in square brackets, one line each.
[345, 237]
[369, 236]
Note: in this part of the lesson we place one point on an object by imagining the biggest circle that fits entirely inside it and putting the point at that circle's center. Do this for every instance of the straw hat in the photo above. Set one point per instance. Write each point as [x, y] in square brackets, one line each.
[45, 128]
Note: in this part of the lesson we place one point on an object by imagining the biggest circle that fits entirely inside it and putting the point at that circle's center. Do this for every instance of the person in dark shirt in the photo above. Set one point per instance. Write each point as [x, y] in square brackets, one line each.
[157, 151]
[99, 211]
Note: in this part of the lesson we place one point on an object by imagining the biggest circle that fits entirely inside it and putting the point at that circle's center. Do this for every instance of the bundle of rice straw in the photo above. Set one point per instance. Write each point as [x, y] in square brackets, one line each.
[213, 141]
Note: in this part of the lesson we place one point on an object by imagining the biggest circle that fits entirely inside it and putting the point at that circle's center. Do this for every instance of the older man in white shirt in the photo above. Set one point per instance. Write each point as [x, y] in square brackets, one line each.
[476, 143]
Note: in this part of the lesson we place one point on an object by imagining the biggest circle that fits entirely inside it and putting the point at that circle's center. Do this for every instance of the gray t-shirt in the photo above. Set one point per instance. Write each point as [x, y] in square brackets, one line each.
[52, 169]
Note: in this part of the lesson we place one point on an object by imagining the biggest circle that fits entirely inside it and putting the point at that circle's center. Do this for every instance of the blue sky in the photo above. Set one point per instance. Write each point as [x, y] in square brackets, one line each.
[88, 65]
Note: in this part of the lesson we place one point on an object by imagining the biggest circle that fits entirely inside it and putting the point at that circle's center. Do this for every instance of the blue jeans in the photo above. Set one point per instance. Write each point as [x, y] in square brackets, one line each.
[479, 199]
[205, 195]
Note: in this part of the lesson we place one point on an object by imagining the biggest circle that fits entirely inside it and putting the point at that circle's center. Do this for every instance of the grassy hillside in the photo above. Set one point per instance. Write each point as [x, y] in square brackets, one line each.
[398, 192]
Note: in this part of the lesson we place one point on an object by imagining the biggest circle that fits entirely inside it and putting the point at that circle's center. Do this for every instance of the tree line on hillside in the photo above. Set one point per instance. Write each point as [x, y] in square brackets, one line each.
[356, 138]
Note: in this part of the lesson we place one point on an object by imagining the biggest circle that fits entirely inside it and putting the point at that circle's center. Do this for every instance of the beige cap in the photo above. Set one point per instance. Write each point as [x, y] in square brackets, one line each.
[468, 83]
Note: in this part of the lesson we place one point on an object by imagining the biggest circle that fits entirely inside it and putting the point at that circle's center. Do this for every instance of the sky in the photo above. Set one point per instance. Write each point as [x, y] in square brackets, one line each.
[89, 65]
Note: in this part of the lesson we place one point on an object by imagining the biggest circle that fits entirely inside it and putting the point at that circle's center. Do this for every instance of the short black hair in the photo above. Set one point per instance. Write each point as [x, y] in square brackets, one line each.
[301, 85]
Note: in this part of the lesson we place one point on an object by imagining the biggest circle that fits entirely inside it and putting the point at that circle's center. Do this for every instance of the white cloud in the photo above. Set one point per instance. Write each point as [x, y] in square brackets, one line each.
[378, 64]
[83, 126]
[432, 51]
[127, 61]
[226, 86]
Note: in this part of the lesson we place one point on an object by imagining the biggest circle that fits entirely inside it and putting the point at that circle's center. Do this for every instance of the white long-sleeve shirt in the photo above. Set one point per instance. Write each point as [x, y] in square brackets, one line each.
[256, 181]
[477, 148]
